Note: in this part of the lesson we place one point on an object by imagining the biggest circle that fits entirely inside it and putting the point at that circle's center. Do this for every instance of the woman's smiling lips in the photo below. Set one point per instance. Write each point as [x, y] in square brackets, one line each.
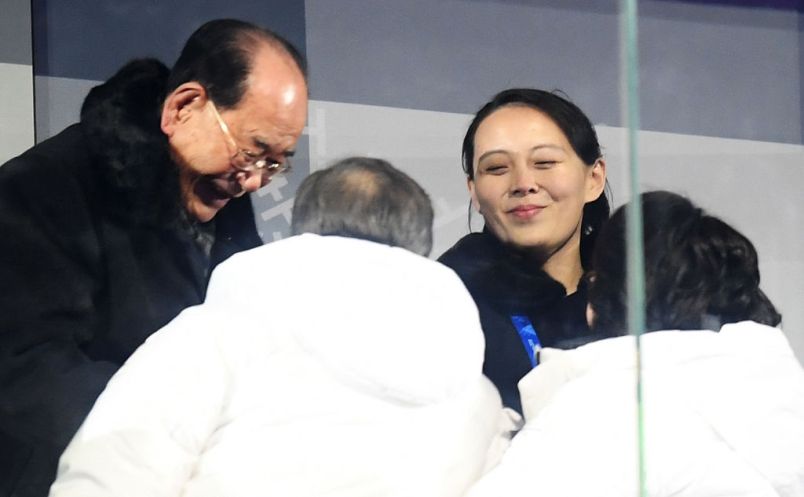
[526, 211]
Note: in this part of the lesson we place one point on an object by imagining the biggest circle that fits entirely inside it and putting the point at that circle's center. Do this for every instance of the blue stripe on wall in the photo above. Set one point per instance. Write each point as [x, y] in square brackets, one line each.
[801, 73]
[756, 4]
[15, 32]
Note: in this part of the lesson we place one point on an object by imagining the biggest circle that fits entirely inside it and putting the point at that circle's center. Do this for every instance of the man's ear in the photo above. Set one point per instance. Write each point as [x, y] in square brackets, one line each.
[595, 180]
[180, 104]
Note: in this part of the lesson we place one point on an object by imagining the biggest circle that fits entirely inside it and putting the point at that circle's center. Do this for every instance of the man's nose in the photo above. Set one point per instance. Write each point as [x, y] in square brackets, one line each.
[252, 181]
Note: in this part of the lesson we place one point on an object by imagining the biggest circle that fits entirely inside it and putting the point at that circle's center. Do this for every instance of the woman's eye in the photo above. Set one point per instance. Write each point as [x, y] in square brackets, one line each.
[544, 164]
[495, 169]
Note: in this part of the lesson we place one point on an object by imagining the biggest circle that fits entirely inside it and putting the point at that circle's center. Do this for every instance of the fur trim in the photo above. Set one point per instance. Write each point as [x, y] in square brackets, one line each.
[497, 272]
[120, 119]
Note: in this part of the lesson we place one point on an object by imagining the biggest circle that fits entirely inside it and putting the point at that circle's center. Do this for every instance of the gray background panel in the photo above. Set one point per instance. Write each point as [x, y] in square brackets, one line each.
[91, 39]
[706, 69]
[15, 31]
[453, 55]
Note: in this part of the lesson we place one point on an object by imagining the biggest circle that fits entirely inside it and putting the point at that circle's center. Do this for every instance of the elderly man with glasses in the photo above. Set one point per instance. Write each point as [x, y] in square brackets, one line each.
[112, 227]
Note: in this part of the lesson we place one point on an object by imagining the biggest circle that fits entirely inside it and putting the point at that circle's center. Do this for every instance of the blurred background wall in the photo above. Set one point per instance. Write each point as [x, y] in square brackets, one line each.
[721, 93]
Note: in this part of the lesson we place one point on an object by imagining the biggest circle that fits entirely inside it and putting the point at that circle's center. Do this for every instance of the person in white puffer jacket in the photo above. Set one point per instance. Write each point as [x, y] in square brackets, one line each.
[723, 393]
[317, 365]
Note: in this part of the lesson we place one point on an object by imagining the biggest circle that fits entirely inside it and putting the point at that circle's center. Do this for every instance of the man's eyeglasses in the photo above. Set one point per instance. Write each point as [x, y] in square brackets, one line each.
[247, 161]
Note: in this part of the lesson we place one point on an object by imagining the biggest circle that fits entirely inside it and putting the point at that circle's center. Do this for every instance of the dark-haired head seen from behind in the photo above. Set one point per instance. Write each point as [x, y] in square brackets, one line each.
[700, 273]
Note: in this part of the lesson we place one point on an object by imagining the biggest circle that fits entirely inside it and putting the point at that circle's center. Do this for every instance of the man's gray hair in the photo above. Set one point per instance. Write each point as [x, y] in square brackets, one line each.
[366, 198]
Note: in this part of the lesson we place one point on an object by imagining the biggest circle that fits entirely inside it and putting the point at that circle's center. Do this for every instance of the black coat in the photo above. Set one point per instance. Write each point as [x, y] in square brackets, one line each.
[506, 282]
[97, 254]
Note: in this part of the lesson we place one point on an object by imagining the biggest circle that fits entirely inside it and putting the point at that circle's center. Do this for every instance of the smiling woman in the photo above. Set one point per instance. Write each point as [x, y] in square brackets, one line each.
[536, 175]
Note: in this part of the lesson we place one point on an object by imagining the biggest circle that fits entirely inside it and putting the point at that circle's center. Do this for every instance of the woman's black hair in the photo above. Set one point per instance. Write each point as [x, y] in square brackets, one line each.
[580, 134]
[700, 273]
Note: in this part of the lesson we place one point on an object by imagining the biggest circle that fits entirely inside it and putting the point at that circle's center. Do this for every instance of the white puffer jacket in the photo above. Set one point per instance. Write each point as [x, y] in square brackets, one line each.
[724, 416]
[316, 366]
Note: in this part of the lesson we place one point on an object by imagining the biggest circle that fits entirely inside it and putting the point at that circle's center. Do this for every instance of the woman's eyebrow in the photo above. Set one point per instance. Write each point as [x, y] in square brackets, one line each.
[542, 146]
[547, 145]
[491, 152]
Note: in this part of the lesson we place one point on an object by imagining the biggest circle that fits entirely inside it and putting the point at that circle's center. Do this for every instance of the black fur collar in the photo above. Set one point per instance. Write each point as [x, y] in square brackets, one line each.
[120, 119]
[497, 272]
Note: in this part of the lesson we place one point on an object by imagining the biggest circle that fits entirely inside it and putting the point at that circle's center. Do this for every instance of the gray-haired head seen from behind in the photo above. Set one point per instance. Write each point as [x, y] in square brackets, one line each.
[361, 197]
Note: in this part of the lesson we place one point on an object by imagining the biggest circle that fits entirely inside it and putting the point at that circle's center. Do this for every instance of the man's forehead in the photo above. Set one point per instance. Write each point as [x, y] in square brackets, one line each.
[274, 67]
[275, 80]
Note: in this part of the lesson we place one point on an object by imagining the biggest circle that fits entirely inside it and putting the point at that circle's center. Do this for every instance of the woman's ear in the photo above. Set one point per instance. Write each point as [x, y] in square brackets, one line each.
[470, 184]
[180, 104]
[595, 180]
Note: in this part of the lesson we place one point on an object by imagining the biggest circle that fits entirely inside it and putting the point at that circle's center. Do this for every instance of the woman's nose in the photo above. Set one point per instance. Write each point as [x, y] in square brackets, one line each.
[523, 181]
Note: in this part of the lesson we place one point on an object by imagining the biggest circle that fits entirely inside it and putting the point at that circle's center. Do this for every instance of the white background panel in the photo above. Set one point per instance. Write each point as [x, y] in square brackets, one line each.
[16, 110]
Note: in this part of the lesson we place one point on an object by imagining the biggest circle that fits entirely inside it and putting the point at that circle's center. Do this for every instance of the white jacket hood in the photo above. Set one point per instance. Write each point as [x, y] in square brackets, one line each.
[316, 366]
[723, 415]
[418, 340]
